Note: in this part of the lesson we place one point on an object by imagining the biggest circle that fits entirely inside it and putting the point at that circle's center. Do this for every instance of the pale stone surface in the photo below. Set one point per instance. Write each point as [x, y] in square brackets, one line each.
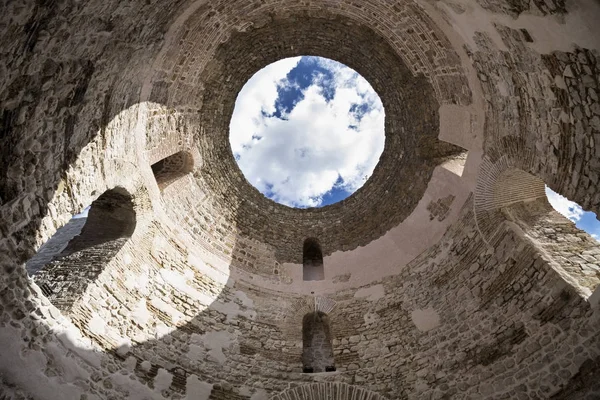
[425, 320]
[446, 276]
[196, 389]
[372, 293]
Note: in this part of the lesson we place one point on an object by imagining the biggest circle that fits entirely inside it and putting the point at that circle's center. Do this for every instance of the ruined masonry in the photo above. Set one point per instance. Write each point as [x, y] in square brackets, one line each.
[448, 275]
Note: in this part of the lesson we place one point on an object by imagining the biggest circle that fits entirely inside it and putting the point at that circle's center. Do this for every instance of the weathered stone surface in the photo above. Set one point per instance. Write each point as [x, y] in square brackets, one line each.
[190, 284]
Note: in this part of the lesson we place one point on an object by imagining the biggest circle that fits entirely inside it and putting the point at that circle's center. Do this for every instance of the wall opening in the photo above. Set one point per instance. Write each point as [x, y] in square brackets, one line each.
[316, 104]
[57, 243]
[172, 168]
[522, 198]
[584, 220]
[312, 260]
[317, 347]
[77, 253]
[456, 163]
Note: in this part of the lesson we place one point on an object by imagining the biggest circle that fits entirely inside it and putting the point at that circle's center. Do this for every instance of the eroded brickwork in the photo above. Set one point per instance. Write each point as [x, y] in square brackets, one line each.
[172, 168]
[439, 209]
[205, 296]
[317, 351]
[575, 251]
[555, 95]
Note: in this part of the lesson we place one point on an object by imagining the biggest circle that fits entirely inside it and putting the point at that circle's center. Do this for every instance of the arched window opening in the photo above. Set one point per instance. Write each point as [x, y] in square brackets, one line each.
[57, 243]
[78, 252]
[456, 163]
[312, 260]
[587, 221]
[317, 347]
[548, 219]
[172, 168]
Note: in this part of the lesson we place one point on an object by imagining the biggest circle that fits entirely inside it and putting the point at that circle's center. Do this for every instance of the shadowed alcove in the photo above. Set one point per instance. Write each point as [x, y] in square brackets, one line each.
[312, 261]
[317, 349]
[172, 168]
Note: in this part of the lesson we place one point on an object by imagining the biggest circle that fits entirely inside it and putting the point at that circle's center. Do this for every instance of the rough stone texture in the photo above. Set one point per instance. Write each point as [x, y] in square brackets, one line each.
[201, 294]
[334, 391]
[172, 168]
[440, 209]
[516, 7]
[411, 150]
[576, 252]
[111, 220]
[317, 351]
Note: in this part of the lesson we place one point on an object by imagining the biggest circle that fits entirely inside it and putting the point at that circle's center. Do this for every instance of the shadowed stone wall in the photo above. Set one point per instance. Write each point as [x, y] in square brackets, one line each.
[172, 168]
[205, 298]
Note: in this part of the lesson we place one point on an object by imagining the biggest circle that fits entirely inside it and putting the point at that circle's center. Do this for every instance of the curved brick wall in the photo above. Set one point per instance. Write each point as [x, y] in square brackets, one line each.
[411, 151]
[445, 276]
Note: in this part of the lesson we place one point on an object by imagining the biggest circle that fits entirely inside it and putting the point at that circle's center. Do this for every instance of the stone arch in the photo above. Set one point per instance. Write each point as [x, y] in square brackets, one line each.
[312, 260]
[328, 390]
[302, 306]
[110, 223]
[509, 191]
[172, 168]
[497, 187]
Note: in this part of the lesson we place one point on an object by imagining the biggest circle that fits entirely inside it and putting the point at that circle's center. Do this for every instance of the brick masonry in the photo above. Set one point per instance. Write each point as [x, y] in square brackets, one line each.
[199, 297]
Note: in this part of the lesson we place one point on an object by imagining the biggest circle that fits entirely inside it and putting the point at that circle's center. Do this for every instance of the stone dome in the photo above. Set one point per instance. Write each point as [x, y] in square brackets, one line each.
[448, 275]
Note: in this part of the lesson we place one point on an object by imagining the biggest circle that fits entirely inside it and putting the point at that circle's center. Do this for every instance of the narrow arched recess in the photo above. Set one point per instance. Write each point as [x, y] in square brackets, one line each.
[317, 347]
[172, 168]
[110, 222]
[312, 260]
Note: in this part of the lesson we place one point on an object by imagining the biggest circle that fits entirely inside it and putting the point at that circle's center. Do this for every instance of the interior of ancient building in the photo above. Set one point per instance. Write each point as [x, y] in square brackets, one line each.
[446, 276]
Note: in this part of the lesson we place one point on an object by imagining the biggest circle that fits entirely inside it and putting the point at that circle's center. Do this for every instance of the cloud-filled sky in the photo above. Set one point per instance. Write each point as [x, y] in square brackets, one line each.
[307, 131]
[584, 220]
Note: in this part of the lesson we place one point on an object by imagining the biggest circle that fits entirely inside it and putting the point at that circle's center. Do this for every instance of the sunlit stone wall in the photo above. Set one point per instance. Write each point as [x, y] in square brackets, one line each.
[205, 299]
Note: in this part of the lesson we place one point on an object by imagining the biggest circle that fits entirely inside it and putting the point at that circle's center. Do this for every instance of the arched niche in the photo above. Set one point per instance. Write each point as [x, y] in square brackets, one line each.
[172, 168]
[312, 260]
[110, 223]
[317, 345]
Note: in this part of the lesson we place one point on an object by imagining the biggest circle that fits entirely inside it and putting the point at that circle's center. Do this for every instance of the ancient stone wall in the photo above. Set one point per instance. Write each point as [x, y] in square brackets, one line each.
[575, 251]
[172, 168]
[317, 351]
[205, 297]
[494, 311]
[553, 94]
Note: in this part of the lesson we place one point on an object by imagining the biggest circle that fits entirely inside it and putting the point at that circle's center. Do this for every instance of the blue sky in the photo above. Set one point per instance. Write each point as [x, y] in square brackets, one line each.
[584, 220]
[83, 214]
[307, 131]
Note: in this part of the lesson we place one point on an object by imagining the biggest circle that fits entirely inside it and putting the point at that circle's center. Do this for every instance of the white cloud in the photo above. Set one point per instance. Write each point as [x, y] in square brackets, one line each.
[258, 94]
[568, 208]
[297, 160]
[83, 214]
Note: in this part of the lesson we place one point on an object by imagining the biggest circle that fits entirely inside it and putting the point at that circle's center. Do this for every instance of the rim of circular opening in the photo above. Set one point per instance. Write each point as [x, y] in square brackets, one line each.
[323, 207]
